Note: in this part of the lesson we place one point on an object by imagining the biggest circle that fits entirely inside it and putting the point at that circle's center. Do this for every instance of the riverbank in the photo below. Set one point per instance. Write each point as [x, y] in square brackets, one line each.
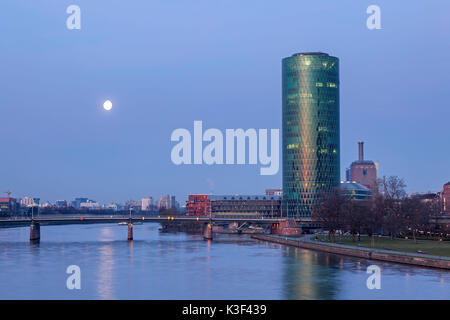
[422, 246]
[360, 252]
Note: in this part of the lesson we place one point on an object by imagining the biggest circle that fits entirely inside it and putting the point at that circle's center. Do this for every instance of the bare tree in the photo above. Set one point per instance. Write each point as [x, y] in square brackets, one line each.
[329, 213]
[354, 216]
[421, 214]
[393, 220]
[434, 208]
[395, 188]
[373, 221]
[416, 215]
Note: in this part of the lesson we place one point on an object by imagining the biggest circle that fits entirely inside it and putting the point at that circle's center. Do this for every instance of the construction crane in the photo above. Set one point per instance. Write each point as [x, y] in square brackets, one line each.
[8, 193]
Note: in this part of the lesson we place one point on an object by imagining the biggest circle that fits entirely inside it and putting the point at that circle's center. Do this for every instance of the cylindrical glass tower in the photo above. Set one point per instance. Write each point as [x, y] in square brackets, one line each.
[311, 157]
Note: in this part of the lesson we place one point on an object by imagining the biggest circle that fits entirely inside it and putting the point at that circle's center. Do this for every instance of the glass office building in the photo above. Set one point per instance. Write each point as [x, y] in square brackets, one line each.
[311, 157]
[355, 190]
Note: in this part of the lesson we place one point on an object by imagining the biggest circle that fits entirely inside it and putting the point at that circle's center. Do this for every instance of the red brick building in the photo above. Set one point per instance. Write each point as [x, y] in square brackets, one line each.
[445, 196]
[364, 172]
[198, 205]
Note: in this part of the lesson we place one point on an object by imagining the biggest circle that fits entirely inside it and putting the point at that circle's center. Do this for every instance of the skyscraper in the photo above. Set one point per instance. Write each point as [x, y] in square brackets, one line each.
[311, 155]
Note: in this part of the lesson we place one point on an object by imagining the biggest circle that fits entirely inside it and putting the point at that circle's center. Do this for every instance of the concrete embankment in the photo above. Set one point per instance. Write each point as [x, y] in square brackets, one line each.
[366, 254]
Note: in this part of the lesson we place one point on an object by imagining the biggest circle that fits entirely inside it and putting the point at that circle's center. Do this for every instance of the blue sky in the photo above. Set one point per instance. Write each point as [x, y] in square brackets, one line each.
[165, 64]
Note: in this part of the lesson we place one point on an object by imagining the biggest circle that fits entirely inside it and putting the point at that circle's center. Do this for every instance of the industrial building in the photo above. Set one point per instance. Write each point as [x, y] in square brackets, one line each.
[364, 171]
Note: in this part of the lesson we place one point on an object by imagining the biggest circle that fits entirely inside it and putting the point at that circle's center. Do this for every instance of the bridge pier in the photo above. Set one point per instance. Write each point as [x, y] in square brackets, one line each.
[286, 228]
[275, 228]
[130, 231]
[35, 231]
[208, 232]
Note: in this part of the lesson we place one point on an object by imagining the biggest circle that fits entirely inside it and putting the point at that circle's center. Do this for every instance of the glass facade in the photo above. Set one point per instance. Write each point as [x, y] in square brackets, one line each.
[311, 155]
[355, 190]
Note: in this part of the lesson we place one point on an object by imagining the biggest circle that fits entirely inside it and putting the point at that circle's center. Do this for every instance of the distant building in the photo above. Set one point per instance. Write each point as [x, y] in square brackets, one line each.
[45, 205]
[28, 202]
[61, 203]
[364, 171]
[134, 205]
[78, 201]
[8, 206]
[90, 204]
[203, 204]
[113, 206]
[274, 192]
[146, 203]
[355, 190]
[426, 197]
[167, 202]
[445, 199]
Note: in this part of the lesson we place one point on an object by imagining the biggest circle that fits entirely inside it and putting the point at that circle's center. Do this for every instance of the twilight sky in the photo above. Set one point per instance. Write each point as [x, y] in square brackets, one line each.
[164, 64]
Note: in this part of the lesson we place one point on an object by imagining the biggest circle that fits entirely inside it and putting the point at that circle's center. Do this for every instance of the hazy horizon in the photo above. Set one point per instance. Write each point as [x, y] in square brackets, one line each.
[164, 65]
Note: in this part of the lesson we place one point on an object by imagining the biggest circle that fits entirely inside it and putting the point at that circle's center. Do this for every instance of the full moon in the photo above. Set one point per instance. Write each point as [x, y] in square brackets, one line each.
[107, 105]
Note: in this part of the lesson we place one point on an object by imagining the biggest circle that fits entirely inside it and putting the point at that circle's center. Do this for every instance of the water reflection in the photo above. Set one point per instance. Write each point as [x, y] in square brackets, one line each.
[307, 275]
[106, 266]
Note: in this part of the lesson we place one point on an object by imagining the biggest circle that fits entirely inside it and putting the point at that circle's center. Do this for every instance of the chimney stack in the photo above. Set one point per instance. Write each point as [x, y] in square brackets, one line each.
[361, 150]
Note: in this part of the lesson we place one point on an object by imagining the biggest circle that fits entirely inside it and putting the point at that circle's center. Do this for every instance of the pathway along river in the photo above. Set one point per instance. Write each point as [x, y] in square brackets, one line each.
[180, 266]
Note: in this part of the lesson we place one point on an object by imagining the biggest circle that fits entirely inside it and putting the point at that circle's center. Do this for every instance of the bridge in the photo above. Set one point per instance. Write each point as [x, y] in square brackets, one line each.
[278, 224]
[206, 221]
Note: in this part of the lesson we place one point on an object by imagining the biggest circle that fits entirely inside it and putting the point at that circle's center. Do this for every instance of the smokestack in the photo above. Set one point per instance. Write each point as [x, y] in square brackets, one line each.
[361, 150]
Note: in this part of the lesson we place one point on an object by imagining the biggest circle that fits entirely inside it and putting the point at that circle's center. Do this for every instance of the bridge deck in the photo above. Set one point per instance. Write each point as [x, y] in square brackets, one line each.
[117, 219]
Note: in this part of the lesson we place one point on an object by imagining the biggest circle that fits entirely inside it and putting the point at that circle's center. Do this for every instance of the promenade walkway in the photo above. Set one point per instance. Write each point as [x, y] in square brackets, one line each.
[308, 239]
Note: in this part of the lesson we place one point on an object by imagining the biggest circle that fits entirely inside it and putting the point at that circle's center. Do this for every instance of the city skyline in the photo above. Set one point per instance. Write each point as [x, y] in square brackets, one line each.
[223, 157]
[61, 144]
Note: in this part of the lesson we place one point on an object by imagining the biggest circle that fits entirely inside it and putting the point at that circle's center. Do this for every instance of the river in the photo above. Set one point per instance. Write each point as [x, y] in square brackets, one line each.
[159, 265]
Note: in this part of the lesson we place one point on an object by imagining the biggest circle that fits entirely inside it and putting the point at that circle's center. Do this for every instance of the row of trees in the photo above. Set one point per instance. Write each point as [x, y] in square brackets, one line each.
[390, 214]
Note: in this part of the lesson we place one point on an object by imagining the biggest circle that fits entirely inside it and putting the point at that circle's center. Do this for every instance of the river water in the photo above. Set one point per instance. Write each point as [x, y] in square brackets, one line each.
[180, 266]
